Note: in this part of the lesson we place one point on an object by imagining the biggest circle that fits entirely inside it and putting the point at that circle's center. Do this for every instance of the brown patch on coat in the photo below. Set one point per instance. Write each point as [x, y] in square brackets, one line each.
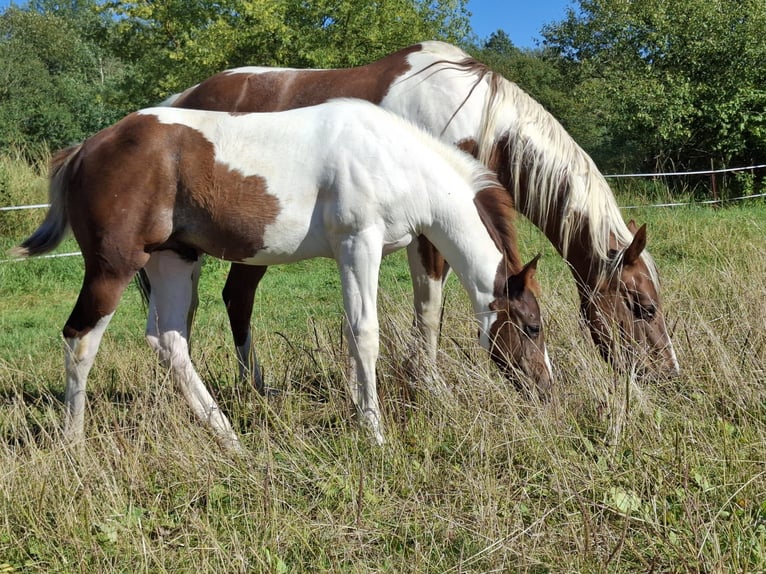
[159, 186]
[141, 186]
[432, 260]
[217, 210]
[288, 89]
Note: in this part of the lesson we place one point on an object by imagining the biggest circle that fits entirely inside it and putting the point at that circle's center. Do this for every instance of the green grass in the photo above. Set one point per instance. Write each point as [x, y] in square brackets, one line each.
[479, 481]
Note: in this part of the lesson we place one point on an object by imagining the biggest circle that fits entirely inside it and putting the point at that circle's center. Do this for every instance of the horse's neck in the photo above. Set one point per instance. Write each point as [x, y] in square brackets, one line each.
[462, 238]
[556, 185]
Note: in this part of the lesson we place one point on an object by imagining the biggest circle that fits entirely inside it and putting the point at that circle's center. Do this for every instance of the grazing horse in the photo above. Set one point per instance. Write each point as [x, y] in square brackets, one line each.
[345, 180]
[552, 180]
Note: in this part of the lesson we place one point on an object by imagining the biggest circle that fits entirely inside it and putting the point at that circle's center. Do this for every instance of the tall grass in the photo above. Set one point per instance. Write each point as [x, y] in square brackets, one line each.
[615, 476]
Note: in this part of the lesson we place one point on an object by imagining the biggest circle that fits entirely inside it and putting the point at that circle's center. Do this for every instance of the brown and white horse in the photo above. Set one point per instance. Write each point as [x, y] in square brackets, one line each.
[552, 180]
[346, 180]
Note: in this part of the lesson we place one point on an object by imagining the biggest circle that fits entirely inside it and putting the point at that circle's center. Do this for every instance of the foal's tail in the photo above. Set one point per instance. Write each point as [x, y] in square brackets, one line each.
[56, 224]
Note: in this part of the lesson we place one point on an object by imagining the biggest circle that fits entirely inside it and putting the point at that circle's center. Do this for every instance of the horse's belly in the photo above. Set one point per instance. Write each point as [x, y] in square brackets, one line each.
[289, 250]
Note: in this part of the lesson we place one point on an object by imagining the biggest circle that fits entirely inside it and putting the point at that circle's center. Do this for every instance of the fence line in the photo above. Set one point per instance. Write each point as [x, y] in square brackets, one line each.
[41, 257]
[17, 207]
[613, 176]
[703, 202]
[624, 175]
[672, 173]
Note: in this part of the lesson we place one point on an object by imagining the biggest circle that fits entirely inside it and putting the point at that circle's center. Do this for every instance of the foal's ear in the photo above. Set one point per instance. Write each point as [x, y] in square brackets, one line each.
[633, 251]
[632, 227]
[524, 279]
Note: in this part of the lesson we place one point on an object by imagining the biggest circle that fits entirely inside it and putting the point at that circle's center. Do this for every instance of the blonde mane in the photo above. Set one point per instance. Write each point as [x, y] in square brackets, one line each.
[562, 182]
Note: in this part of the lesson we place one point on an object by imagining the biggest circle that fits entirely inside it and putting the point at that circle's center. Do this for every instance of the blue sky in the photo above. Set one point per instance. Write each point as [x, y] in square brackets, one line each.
[520, 19]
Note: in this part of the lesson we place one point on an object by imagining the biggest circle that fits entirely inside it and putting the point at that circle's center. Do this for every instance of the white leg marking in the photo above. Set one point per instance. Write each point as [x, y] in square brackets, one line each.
[79, 354]
[166, 332]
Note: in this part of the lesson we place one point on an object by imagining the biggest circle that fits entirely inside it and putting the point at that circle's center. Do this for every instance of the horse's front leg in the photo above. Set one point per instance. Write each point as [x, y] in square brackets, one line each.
[238, 296]
[172, 280]
[359, 259]
[429, 271]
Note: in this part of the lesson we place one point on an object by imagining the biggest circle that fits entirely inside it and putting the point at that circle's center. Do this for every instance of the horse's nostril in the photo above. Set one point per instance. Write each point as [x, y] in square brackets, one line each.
[532, 331]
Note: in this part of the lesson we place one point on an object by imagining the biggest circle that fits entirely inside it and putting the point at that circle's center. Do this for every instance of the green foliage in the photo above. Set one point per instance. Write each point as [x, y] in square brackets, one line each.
[677, 84]
[640, 85]
[70, 69]
[56, 84]
[537, 72]
[175, 44]
[21, 184]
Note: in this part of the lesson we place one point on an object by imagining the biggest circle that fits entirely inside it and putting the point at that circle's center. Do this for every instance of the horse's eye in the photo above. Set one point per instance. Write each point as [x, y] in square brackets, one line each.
[644, 312]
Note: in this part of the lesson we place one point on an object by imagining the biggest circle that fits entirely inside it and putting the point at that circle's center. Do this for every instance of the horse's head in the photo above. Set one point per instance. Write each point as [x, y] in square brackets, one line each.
[516, 339]
[625, 316]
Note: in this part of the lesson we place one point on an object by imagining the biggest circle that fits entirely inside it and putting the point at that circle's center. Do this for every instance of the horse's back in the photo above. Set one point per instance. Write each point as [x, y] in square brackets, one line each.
[264, 89]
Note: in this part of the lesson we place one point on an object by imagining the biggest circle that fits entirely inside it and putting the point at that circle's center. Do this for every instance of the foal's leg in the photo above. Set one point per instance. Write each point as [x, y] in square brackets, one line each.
[238, 295]
[359, 259]
[83, 331]
[166, 331]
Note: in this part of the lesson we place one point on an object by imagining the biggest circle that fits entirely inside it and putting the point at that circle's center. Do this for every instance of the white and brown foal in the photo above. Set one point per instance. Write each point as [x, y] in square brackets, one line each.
[345, 180]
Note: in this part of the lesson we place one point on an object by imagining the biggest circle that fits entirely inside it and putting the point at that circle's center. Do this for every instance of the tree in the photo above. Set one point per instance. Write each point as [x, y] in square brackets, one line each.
[679, 83]
[54, 86]
[537, 72]
[177, 43]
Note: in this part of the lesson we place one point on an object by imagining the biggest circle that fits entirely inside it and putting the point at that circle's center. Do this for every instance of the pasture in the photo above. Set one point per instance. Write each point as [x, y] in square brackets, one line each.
[614, 476]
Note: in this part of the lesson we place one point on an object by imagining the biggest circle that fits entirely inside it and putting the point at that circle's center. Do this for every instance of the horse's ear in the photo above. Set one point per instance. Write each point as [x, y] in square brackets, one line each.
[524, 279]
[633, 251]
[632, 227]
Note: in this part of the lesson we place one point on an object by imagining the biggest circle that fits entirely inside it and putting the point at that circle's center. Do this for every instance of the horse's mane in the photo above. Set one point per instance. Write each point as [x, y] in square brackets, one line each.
[498, 213]
[567, 185]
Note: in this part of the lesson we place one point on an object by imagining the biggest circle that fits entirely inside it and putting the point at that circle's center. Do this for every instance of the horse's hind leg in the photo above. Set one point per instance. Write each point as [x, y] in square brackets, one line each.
[83, 331]
[166, 331]
[238, 295]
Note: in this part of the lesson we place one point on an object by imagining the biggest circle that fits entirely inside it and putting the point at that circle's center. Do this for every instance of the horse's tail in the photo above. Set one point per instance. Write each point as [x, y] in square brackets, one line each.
[144, 287]
[56, 224]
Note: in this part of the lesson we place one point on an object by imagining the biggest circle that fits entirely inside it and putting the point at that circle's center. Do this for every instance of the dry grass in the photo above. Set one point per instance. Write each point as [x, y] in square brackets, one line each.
[615, 476]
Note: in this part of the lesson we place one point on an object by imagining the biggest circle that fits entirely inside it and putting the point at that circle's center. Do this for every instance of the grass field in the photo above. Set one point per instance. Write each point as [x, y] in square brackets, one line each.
[614, 476]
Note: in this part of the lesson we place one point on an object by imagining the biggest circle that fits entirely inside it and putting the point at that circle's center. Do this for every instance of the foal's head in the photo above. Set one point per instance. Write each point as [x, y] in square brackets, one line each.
[516, 340]
[625, 316]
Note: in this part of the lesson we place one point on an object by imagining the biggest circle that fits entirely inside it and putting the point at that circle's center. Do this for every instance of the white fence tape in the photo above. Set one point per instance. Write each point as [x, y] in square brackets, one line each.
[615, 176]
[41, 257]
[674, 173]
[704, 202]
[18, 207]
